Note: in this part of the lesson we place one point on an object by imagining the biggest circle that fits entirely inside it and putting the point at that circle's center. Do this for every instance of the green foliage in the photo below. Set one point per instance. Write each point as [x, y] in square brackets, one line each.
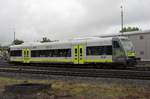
[45, 39]
[18, 42]
[130, 29]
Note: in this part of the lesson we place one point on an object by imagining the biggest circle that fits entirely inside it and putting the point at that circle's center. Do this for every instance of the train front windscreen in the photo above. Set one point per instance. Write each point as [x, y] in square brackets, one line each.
[128, 47]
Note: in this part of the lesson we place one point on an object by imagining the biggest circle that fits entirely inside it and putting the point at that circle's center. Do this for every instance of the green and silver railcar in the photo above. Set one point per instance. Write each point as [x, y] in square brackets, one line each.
[78, 51]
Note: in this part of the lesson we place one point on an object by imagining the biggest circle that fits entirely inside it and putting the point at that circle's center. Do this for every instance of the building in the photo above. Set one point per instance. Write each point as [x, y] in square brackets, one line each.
[141, 41]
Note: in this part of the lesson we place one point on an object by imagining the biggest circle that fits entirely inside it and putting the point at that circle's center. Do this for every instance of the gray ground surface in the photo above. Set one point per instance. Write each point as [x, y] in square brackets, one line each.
[144, 83]
[75, 79]
[91, 80]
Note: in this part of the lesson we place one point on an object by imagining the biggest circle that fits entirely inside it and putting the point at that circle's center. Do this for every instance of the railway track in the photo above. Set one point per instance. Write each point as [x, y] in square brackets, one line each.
[107, 73]
[54, 66]
[129, 73]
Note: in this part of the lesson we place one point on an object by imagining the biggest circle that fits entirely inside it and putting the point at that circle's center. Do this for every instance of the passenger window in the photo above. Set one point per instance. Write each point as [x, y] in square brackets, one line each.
[116, 44]
[95, 50]
[16, 53]
[51, 53]
[108, 50]
[69, 53]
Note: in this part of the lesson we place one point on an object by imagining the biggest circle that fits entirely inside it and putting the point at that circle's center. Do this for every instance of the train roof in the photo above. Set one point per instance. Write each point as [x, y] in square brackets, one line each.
[38, 44]
[67, 42]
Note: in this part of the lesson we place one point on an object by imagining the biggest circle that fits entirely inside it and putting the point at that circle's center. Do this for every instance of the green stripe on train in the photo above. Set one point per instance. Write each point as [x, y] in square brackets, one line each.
[51, 60]
[16, 60]
[99, 60]
[43, 60]
[65, 60]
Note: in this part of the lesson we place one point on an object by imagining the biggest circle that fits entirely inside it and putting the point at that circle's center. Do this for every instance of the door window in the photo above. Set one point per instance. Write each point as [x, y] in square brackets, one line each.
[80, 51]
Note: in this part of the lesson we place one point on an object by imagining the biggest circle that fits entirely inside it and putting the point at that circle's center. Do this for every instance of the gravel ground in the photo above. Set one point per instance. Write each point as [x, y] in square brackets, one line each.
[134, 82]
[91, 80]
[77, 79]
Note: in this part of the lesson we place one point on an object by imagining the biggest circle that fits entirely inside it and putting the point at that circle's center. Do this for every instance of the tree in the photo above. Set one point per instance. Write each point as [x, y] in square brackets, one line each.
[17, 42]
[129, 29]
[45, 39]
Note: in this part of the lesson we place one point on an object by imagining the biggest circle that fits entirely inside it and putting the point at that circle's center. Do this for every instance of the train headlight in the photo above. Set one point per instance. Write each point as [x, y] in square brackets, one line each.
[131, 54]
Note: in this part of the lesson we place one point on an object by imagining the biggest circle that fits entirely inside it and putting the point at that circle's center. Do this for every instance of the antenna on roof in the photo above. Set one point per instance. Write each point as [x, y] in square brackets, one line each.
[121, 19]
[14, 35]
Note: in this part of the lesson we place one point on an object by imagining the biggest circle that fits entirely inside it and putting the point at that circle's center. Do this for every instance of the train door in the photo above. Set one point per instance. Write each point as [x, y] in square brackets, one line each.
[75, 54]
[78, 54]
[26, 55]
[81, 54]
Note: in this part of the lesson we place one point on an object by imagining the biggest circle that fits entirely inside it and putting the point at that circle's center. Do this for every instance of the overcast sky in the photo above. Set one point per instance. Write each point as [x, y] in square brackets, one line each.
[66, 19]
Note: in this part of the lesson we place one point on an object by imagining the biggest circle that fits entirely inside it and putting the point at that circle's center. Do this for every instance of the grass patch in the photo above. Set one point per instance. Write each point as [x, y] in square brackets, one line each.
[88, 90]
